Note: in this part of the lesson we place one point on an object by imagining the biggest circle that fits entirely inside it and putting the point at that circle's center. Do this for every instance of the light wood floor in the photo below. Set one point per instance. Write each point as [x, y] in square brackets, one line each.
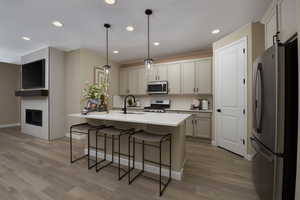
[32, 169]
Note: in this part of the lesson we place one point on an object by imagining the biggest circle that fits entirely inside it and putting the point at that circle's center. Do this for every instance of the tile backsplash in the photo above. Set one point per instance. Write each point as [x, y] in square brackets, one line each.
[177, 101]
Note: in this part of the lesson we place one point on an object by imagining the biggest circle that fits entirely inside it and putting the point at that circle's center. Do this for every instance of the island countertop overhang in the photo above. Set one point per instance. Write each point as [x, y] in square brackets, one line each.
[160, 119]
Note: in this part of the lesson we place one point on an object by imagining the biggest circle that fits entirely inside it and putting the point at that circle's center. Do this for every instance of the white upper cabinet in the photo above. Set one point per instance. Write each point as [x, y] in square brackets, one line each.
[184, 77]
[124, 81]
[188, 78]
[159, 72]
[152, 74]
[162, 72]
[133, 81]
[174, 79]
[204, 76]
[270, 31]
[142, 83]
[286, 21]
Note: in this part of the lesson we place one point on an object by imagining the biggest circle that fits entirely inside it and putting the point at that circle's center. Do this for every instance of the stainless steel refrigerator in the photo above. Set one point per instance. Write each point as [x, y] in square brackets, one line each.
[275, 111]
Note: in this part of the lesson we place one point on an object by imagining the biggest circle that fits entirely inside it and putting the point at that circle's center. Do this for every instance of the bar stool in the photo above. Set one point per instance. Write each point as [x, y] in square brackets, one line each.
[83, 128]
[149, 137]
[112, 133]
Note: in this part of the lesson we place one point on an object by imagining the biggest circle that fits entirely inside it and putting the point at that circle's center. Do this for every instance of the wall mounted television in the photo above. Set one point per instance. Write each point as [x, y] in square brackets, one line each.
[33, 74]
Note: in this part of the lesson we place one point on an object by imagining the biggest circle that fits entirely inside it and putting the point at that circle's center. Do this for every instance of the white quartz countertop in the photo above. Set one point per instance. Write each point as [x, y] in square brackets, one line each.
[161, 119]
[170, 109]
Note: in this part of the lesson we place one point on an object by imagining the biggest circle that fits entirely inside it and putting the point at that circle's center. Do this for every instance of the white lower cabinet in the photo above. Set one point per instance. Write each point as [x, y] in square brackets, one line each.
[189, 129]
[202, 127]
[199, 125]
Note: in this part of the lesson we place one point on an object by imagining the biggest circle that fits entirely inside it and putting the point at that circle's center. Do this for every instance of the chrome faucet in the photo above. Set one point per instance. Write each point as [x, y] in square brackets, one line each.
[125, 102]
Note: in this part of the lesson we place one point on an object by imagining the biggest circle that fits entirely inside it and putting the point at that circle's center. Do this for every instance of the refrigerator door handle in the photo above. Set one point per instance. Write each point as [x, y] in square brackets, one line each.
[259, 99]
[261, 149]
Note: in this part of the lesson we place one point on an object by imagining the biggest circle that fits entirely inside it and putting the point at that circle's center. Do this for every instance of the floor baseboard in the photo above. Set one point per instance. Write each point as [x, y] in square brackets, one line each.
[138, 165]
[9, 125]
[249, 156]
[214, 143]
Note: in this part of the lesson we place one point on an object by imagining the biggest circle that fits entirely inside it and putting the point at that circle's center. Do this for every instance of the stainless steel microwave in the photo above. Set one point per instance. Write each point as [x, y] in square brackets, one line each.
[157, 87]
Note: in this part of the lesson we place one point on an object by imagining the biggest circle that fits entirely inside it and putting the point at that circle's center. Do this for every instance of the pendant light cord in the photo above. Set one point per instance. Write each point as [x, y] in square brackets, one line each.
[106, 46]
[148, 37]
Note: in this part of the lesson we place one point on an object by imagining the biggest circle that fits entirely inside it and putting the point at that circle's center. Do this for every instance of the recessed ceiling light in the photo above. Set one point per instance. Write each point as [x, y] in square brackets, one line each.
[110, 2]
[130, 28]
[216, 31]
[57, 24]
[26, 38]
[115, 52]
[156, 43]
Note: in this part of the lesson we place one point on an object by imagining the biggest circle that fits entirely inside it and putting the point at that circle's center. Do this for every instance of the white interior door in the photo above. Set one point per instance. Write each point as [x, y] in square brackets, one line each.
[230, 94]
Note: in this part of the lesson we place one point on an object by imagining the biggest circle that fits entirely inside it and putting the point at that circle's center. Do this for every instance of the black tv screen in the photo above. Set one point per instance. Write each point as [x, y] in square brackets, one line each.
[33, 75]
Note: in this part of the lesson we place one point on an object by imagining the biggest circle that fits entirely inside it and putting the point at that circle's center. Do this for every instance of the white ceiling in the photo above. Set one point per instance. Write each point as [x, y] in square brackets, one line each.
[179, 25]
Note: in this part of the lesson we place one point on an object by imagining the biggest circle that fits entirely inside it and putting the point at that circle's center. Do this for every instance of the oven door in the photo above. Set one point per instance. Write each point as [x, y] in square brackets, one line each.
[157, 88]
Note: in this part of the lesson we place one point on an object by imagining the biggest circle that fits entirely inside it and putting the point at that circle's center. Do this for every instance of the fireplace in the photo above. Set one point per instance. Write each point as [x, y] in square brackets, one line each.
[34, 117]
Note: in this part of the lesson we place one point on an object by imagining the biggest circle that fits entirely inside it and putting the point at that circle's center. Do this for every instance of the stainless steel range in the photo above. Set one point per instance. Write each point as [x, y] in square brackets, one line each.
[158, 106]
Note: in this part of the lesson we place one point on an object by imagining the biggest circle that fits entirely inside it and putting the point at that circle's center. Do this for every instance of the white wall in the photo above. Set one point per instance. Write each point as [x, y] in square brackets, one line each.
[9, 103]
[79, 68]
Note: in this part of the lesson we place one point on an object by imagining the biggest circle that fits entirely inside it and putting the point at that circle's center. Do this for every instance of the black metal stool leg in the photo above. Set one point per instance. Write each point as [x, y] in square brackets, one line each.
[96, 150]
[129, 155]
[119, 158]
[71, 150]
[112, 148]
[105, 138]
[133, 153]
[170, 163]
[143, 155]
[89, 149]
[160, 192]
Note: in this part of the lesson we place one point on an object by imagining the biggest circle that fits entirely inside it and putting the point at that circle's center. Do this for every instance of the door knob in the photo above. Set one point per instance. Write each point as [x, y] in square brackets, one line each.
[218, 110]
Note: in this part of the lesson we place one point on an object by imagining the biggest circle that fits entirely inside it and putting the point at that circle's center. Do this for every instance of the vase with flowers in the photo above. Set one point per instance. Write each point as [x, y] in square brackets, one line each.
[96, 97]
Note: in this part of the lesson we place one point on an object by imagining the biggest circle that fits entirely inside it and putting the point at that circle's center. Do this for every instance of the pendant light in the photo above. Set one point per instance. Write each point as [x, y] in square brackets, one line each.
[148, 61]
[107, 66]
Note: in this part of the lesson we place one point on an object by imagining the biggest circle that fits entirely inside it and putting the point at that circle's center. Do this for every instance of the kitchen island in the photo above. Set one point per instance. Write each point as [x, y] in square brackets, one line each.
[154, 122]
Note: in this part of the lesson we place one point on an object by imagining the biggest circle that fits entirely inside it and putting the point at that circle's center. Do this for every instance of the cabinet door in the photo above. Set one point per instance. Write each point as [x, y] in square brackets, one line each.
[189, 127]
[152, 74]
[188, 78]
[204, 76]
[174, 79]
[270, 31]
[162, 72]
[142, 84]
[202, 127]
[133, 81]
[123, 82]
